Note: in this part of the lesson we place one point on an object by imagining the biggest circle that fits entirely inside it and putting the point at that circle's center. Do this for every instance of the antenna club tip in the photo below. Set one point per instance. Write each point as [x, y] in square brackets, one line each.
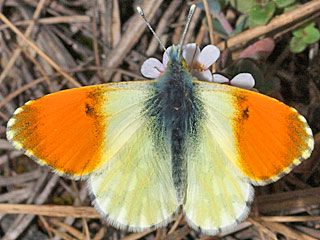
[139, 10]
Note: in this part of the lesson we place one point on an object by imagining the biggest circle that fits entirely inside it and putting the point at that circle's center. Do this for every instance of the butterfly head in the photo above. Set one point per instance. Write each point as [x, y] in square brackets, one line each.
[175, 57]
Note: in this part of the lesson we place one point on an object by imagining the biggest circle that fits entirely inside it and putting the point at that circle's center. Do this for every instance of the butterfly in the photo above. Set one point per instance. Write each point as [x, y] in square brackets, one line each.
[149, 149]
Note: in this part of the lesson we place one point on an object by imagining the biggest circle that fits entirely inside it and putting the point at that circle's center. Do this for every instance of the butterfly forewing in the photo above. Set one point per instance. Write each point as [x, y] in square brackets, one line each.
[64, 130]
[261, 136]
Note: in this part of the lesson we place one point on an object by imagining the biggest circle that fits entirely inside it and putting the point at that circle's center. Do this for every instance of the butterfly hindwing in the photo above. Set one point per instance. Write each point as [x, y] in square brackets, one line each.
[135, 190]
[218, 197]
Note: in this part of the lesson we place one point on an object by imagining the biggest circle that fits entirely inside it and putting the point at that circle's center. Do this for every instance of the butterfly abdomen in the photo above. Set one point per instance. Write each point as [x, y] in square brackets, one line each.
[176, 112]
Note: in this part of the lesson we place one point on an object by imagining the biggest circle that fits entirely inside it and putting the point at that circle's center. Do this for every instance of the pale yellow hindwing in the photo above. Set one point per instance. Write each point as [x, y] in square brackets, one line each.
[134, 189]
[218, 196]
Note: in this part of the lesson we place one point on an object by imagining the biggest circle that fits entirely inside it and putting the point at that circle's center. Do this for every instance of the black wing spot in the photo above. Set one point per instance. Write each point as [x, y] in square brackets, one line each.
[245, 113]
[89, 109]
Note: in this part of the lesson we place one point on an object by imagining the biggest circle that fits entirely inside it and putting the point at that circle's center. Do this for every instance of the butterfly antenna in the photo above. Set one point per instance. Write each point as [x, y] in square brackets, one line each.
[191, 12]
[151, 29]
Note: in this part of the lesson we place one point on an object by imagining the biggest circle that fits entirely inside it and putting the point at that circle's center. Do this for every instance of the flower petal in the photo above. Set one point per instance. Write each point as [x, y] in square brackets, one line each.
[152, 68]
[208, 56]
[190, 52]
[243, 80]
[204, 76]
[218, 78]
[165, 58]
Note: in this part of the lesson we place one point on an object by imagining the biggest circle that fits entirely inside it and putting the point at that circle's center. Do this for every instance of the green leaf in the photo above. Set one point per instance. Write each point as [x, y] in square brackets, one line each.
[219, 29]
[243, 5]
[241, 24]
[297, 44]
[312, 35]
[307, 33]
[260, 15]
[283, 3]
[298, 32]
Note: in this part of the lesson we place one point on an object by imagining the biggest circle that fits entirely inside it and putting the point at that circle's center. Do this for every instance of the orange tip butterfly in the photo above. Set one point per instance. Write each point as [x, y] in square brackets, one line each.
[149, 149]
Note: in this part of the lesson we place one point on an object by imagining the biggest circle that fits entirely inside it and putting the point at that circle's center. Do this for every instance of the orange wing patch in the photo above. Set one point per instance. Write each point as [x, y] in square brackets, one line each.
[271, 137]
[64, 130]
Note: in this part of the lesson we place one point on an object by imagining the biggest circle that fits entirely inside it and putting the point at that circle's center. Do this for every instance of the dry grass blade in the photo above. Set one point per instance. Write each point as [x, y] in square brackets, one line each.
[178, 234]
[129, 38]
[286, 231]
[46, 226]
[100, 234]
[51, 20]
[21, 179]
[135, 236]
[39, 51]
[288, 200]
[35, 82]
[208, 14]
[50, 211]
[290, 218]
[309, 231]
[43, 72]
[74, 232]
[27, 33]
[23, 221]
[116, 24]
[176, 223]
[264, 230]
[20, 90]
[95, 44]
[62, 235]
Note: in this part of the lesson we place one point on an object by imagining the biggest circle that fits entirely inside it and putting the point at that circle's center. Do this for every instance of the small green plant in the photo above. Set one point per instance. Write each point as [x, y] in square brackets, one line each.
[261, 14]
[304, 35]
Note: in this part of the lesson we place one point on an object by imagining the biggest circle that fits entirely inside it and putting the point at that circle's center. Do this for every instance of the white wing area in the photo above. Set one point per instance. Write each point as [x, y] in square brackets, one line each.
[218, 196]
[134, 189]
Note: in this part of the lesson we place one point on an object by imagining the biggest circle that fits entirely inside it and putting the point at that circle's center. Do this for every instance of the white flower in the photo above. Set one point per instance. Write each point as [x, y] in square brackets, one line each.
[242, 80]
[198, 62]
[153, 68]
